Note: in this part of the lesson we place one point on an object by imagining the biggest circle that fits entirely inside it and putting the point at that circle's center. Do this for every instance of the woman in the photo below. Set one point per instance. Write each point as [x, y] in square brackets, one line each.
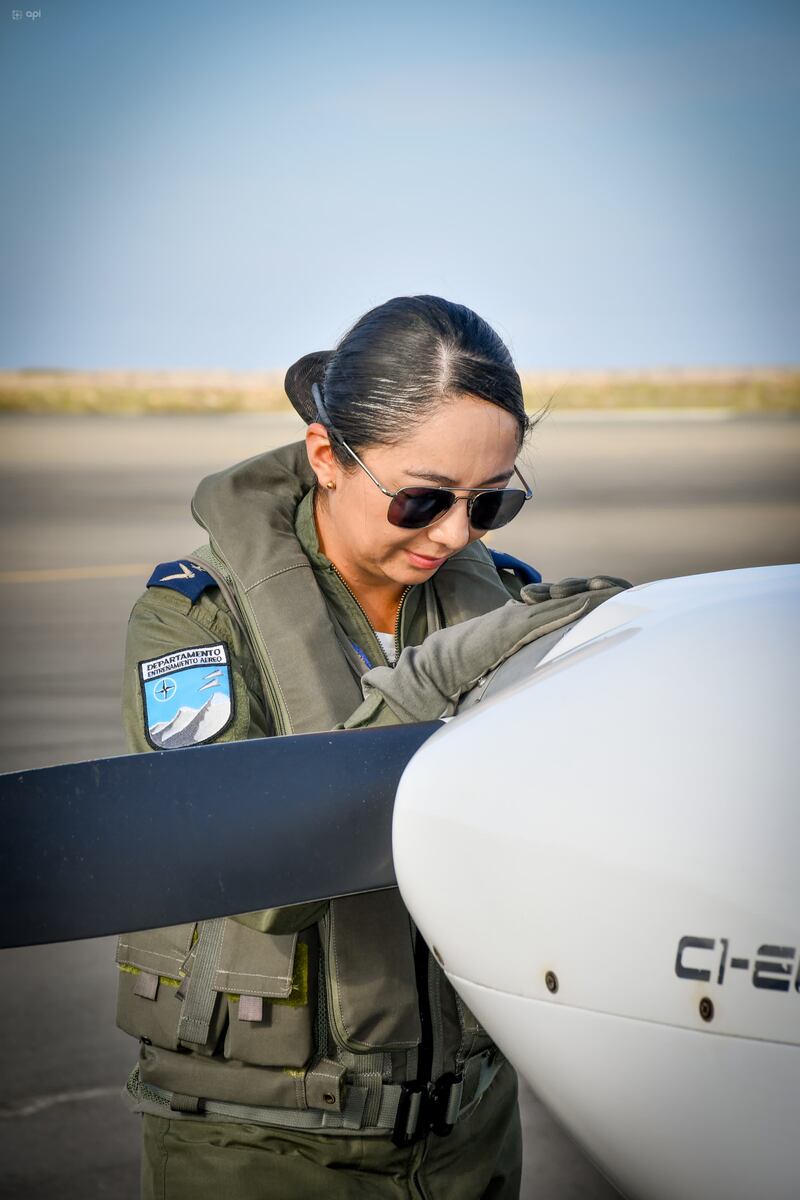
[319, 1050]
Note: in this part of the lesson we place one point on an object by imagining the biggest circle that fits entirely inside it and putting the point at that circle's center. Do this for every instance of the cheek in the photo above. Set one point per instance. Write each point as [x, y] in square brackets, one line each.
[363, 523]
[383, 543]
[391, 541]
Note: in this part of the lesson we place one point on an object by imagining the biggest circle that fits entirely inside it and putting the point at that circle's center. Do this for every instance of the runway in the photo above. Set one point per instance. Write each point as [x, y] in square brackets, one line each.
[91, 504]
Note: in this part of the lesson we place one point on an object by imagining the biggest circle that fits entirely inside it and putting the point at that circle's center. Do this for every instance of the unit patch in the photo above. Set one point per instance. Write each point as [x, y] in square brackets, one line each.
[187, 696]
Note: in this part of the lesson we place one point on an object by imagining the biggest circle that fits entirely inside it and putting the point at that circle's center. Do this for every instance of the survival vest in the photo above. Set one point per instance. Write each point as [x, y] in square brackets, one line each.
[318, 1029]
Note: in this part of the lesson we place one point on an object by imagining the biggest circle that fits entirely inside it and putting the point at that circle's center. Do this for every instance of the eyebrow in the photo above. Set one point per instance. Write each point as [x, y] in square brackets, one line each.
[445, 480]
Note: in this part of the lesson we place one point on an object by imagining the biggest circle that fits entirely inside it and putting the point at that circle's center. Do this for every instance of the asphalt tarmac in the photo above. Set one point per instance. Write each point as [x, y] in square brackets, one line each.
[90, 504]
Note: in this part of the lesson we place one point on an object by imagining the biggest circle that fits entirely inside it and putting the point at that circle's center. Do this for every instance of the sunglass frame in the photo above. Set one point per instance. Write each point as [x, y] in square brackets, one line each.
[528, 495]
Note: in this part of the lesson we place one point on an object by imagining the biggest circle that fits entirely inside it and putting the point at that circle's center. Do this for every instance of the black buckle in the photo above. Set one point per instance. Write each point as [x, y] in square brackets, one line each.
[440, 1094]
[412, 1096]
[424, 1107]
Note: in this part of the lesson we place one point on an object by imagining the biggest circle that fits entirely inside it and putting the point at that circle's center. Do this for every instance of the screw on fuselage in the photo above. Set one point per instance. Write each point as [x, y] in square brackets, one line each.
[551, 982]
[707, 1009]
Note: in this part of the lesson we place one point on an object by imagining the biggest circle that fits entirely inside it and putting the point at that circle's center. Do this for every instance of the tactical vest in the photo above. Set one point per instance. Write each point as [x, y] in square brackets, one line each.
[349, 1025]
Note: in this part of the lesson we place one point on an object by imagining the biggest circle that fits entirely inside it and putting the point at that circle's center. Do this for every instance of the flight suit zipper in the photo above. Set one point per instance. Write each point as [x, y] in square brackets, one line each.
[370, 626]
[397, 620]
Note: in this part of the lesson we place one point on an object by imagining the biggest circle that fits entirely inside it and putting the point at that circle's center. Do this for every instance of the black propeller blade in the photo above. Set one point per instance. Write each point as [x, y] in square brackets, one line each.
[178, 835]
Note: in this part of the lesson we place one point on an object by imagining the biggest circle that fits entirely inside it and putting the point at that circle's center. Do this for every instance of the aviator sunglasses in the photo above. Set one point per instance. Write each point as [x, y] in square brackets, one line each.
[418, 507]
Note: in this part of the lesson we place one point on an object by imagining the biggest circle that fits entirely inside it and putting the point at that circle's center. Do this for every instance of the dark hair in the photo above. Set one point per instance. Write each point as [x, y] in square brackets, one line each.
[400, 360]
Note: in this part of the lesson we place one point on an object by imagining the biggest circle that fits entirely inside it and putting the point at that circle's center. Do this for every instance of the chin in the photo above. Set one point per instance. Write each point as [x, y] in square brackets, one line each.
[408, 576]
[414, 572]
[403, 573]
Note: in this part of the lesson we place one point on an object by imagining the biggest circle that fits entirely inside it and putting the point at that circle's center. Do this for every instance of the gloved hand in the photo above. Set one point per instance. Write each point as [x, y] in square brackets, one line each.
[428, 680]
[535, 593]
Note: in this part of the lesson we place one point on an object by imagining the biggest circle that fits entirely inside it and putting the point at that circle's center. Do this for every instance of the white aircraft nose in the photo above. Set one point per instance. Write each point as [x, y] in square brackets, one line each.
[605, 860]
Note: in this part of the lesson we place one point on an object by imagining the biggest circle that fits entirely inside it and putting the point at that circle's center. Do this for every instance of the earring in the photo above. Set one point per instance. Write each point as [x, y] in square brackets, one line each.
[331, 484]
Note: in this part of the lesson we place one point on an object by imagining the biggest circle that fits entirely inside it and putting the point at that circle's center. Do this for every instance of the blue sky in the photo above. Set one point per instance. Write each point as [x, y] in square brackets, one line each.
[209, 185]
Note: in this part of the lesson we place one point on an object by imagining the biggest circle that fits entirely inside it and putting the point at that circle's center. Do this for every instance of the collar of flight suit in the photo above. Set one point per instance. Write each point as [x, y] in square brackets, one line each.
[249, 512]
[351, 616]
[298, 612]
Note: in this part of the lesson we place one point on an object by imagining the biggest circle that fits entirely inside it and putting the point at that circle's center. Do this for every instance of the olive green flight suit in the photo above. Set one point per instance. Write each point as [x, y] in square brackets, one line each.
[187, 1154]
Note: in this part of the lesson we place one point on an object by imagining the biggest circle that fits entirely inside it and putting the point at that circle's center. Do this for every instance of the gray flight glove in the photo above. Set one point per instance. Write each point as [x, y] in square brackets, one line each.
[428, 680]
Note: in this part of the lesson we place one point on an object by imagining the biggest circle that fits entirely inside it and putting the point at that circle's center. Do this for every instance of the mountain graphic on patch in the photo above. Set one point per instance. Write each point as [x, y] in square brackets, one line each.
[191, 726]
[187, 697]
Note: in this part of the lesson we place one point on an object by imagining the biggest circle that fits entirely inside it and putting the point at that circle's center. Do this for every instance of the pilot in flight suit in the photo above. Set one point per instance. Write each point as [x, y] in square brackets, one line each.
[317, 1050]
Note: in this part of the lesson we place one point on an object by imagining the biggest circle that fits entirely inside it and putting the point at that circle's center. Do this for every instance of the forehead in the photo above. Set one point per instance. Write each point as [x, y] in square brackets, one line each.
[465, 438]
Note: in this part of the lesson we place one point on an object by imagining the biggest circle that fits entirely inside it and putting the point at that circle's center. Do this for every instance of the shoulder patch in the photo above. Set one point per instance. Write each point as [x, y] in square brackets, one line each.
[507, 562]
[189, 580]
[187, 696]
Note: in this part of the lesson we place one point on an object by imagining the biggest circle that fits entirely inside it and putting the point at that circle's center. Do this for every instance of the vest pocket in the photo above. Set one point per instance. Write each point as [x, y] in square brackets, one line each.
[263, 993]
[369, 957]
[269, 984]
[150, 974]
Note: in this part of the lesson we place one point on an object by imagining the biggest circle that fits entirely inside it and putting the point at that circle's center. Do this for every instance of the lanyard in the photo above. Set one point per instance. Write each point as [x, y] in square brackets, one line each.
[361, 654]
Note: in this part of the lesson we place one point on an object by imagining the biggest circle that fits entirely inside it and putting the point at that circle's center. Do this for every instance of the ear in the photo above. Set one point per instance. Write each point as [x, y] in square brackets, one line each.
[320, 454]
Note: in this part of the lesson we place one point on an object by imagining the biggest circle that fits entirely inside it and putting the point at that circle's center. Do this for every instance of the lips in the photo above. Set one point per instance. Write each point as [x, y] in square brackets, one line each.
[424, 561]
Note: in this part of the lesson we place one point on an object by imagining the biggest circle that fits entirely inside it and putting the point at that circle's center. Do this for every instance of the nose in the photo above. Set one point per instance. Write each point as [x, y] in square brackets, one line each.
[452, 532]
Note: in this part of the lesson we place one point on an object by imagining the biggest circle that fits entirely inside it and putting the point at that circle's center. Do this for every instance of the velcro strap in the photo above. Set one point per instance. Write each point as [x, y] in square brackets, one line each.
[146, 985]
[251, 1008]
[186, 1104]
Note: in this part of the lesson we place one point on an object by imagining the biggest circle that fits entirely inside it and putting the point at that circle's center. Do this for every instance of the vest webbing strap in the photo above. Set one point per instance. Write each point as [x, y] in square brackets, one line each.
[368, 1071]
[198, 1005]
[479, 1074]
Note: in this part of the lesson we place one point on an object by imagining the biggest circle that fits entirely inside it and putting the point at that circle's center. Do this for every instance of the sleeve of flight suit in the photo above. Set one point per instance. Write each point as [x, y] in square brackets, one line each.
[164, 621]
[375, 713]
[428, 680]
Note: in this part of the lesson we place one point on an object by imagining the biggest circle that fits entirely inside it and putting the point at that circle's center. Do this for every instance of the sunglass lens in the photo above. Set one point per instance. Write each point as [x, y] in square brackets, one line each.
[414, 508]
[492, 510]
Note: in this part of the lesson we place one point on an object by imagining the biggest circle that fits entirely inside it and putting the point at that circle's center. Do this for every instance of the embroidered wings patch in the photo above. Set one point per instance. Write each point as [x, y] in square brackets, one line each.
[187, 696]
